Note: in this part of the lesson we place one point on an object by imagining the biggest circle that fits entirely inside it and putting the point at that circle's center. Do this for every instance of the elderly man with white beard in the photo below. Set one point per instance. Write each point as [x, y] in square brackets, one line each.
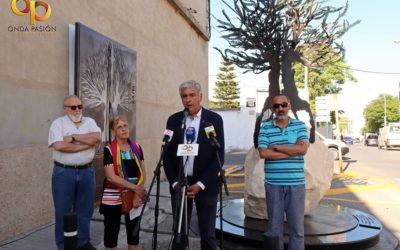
[73, 138]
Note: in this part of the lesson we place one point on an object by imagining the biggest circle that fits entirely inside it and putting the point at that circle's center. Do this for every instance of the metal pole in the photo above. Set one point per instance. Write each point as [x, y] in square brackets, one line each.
[385, 117]
[70, 231]
[399, 101]
[338, 133]
[398, 41]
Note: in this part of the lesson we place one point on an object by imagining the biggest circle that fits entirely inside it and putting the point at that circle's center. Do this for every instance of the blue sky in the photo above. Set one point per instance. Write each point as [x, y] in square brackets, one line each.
[369, 47]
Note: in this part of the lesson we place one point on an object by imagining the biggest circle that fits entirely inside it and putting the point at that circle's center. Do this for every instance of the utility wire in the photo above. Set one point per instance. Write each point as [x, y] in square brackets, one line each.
[376, 72]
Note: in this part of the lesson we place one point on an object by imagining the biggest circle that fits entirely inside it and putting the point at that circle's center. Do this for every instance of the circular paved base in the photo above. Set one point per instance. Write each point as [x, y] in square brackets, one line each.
[327, 227]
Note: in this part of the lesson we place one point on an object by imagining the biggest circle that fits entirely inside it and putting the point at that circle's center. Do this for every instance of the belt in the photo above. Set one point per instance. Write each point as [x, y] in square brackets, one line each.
[58, 164]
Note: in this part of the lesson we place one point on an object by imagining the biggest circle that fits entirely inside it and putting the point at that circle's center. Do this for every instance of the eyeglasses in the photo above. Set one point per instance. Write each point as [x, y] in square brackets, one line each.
[277, 105]
[74, 107]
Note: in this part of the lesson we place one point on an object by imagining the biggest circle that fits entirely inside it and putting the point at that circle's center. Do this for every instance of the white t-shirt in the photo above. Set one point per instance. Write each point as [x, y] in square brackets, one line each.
[63, 126]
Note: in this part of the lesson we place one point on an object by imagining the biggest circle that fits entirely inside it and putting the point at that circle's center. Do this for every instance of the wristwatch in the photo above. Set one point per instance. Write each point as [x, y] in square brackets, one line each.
[73, 138]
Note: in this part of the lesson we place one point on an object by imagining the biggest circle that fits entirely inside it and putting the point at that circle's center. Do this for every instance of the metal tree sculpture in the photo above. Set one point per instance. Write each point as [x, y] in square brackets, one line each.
[122, 91]
[95, 81]
[108, 84]
[273, 34]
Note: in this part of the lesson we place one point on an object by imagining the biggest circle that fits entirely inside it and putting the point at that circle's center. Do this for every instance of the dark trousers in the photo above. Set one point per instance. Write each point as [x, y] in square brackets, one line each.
[206, 207]
[112, 223]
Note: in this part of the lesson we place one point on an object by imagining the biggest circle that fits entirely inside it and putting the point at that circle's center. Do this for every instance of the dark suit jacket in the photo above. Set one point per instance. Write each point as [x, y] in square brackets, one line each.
[205, 167]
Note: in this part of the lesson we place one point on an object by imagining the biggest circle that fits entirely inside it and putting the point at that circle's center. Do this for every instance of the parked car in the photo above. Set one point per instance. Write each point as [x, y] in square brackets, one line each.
[389, 136]
[371, 140]
[332, 145]
[348, 140]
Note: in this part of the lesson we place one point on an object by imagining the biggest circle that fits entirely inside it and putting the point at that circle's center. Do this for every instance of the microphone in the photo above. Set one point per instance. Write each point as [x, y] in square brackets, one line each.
[167, 136]
[190, 135]
[211, 134]
[185, 115]
[210, 130]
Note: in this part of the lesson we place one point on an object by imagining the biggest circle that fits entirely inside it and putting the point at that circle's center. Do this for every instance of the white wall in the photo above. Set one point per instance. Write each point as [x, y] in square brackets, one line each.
[238, 128]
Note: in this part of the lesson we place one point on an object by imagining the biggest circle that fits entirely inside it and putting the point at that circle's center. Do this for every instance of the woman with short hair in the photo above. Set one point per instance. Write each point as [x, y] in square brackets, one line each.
[124, 170]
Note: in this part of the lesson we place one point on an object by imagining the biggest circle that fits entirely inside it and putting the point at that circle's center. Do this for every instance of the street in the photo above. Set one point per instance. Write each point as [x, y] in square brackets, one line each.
[375, 162]
[370, 183]
[377, 168]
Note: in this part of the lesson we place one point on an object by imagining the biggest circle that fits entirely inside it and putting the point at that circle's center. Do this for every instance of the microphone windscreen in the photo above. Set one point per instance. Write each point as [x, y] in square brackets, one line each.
[169, 134]
[210, 130]
[190, 134]
[185, 112]
[185, 115]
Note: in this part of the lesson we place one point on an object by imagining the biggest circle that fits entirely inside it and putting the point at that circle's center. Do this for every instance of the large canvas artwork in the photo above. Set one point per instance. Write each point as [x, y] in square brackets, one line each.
[105, 78]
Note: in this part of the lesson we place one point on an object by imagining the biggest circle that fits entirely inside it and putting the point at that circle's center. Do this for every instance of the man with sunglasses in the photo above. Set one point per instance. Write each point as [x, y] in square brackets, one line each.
[73, 138]
[283, 142]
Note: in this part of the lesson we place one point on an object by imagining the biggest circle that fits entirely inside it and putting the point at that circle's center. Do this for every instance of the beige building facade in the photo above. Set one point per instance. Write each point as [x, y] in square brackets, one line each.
[170, 38]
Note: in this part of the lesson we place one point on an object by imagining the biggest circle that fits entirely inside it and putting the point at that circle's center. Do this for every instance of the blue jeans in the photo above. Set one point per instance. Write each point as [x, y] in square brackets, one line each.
[73, 186]
[289, 200]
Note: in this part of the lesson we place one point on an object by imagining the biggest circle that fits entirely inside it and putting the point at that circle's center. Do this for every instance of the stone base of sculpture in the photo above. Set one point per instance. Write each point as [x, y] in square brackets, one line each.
[318, 175]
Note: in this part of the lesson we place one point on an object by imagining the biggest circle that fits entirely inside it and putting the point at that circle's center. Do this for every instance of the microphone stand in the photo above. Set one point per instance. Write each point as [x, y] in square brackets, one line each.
[156, 175]
[180, 195]
[216, 146]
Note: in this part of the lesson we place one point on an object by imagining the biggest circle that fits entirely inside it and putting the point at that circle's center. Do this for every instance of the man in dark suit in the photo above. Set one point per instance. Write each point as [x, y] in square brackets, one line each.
[203, 181]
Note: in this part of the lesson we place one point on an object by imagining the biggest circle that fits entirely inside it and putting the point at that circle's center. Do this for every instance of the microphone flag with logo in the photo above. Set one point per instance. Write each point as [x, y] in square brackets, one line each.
[210, 130]
[190, 135]
[211, 134]
[167, 136]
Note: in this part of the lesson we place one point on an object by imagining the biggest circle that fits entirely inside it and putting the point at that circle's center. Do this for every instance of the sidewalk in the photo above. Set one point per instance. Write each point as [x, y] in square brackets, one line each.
[43, 238]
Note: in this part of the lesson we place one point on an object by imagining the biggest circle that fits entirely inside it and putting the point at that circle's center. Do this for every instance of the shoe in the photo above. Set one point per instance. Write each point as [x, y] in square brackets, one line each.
[87, 246]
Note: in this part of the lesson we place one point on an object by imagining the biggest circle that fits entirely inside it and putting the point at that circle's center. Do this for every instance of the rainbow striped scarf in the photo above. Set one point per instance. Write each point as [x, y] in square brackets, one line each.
[119, 166]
